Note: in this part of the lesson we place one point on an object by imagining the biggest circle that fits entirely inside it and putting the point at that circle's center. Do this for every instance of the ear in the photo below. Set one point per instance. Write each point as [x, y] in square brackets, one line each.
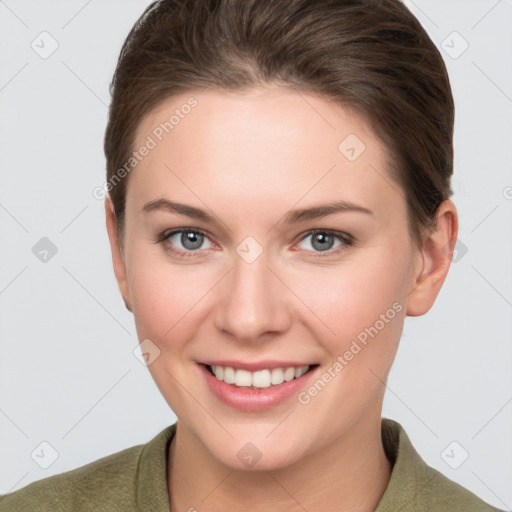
[436, 255]
[118, 258]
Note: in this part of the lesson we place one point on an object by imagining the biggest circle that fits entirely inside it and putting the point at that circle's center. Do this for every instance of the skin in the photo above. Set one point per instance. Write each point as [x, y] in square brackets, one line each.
[247, 159]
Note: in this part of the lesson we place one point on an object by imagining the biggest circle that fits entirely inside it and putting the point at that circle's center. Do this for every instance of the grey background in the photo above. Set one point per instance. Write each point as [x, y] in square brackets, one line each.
[68, 373]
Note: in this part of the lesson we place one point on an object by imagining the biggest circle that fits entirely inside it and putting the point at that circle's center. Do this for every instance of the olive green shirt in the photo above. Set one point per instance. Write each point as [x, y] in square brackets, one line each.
[135, 480]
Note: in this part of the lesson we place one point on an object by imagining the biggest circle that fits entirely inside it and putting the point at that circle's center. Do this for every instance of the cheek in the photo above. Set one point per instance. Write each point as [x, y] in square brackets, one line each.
[362, 314]
[166, 298]
[360, 303]
[168, 306]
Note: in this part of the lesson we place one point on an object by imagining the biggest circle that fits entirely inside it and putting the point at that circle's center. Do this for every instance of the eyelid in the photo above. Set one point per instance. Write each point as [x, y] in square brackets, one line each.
[166, 234]
[339, 234]
[346, 239]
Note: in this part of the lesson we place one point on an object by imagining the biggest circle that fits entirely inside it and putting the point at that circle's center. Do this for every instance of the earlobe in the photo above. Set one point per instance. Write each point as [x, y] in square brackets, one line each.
[436, 256]
[118, 258]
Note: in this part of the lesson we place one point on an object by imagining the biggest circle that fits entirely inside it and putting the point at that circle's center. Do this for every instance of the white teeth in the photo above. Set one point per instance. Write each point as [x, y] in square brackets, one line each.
[289, 374]
[259, 379]
[243, 378]
[299, 372]
[229, 375]
[218, 371]
[277, 376]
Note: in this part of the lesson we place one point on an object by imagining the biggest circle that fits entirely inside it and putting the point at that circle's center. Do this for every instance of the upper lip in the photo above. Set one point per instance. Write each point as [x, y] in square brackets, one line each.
[256, 365]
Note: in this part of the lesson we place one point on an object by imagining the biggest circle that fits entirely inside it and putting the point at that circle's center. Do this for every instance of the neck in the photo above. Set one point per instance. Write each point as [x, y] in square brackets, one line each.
[350, 474]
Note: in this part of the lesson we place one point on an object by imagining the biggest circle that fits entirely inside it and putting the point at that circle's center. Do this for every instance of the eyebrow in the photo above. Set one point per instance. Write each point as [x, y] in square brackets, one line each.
[292, 217]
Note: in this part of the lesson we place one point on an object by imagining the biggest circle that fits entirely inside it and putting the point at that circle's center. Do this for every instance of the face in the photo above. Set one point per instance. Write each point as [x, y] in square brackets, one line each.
[249, 272]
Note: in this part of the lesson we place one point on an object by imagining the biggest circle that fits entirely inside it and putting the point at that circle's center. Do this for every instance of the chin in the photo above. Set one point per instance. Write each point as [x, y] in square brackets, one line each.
[240, 453]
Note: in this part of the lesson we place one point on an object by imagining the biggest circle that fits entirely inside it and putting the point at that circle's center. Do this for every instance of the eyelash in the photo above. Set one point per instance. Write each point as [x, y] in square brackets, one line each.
[346, 239]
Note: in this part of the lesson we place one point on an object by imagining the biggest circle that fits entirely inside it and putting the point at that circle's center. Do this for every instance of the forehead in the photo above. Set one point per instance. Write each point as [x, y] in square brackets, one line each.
[251, 148]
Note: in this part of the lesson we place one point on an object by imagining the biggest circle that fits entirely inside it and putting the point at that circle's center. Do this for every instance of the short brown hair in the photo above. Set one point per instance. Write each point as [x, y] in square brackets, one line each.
[370, 55]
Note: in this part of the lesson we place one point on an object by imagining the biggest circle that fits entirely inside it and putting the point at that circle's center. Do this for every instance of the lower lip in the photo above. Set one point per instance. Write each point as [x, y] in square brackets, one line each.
[254, 399]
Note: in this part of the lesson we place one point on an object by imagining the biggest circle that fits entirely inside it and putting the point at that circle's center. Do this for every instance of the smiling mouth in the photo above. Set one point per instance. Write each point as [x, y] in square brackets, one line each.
[260, 379]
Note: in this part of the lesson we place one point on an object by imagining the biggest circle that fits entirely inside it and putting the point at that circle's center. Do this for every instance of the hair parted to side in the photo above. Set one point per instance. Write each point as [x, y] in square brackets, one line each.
[372, 56]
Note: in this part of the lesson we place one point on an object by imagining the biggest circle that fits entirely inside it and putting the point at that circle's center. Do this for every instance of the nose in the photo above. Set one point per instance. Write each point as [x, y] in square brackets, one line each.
[253, 302]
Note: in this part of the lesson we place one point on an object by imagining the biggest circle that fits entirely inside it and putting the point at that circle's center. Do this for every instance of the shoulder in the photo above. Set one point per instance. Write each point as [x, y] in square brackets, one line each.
[89, 487]
[443, 494]
[112, 483]
[414, 485]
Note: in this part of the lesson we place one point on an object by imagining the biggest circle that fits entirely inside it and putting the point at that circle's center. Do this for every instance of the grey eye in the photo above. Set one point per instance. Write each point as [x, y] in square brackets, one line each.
[322, 240]
[189, 240]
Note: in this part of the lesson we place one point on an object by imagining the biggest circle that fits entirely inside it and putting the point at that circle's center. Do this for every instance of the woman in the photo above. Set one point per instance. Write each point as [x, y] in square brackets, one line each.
[278, 178]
